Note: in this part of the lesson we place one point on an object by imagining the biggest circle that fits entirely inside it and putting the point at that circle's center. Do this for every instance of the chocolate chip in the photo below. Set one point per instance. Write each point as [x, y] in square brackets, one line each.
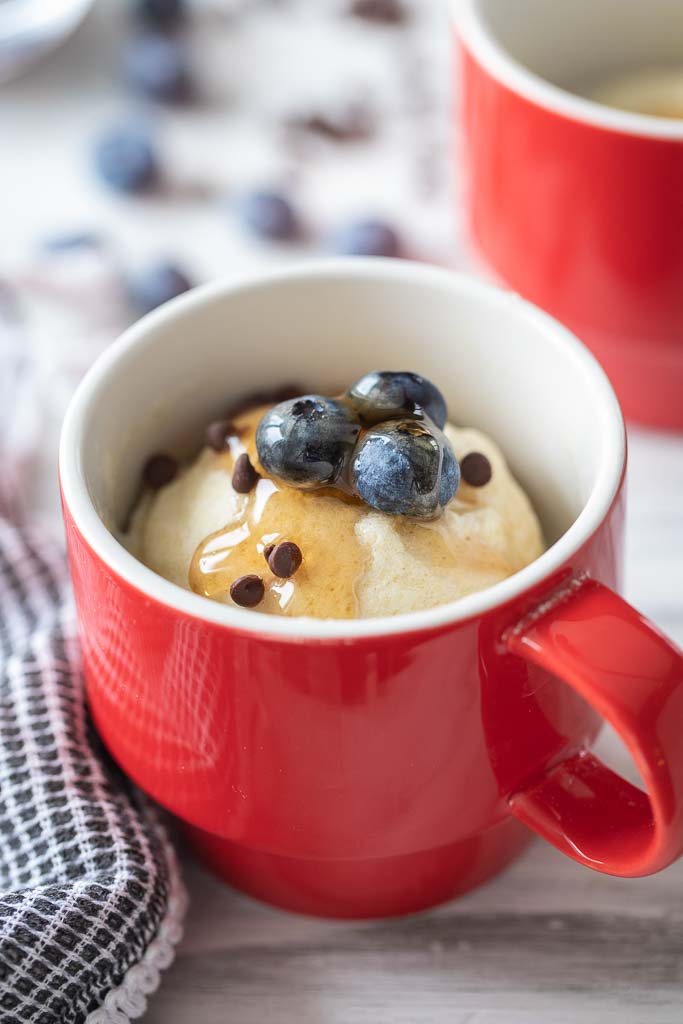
[247, 591]
[159, 470]
[351, 125]
[218, 432]
[244, 476]
[475, 469]
[268, 550]
[386, 12]
[285, 559]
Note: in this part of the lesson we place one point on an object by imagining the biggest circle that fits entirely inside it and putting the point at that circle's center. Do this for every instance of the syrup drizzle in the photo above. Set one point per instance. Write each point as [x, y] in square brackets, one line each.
[322, 523]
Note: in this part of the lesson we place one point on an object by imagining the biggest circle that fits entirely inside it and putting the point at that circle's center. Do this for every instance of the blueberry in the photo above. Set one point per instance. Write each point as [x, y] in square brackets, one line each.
[126, 160]
[161, 13]
[384, 12]
[269, 215]
[402, 468]
[450, 475]
[385, 395]
[156, 66]
[307, 441]
[70, 242]
[367, 238]
[155, 285]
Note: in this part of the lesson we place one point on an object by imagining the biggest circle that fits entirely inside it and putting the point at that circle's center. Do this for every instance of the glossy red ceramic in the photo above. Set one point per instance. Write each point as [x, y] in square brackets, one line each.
[376, 777]
[373, 767]
[585, 220]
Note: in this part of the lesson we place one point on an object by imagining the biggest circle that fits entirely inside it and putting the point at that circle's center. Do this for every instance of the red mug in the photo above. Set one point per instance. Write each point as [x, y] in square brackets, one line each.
[575, 205]
[379, 766]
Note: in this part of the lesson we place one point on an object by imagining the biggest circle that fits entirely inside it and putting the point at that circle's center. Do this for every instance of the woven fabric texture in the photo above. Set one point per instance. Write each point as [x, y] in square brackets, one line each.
[90, 896]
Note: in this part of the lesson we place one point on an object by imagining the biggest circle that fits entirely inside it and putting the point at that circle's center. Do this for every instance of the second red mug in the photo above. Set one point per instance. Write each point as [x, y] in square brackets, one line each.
[577, 206]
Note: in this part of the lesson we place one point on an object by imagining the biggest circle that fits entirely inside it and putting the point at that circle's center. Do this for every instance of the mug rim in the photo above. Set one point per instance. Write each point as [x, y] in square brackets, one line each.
[494, 58]
[118, 559]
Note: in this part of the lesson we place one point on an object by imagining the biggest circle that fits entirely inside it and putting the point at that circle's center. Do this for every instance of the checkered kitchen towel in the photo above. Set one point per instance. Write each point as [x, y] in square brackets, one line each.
[91, 900]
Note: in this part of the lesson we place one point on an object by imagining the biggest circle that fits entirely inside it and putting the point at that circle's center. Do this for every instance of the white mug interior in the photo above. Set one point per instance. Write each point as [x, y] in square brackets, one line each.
[504, 366]
[546, 50]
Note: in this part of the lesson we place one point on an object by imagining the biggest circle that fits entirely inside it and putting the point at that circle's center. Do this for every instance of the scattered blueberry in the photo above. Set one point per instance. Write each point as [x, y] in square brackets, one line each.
[384, 12]
[403, 469]
[367, 238]
[269, 215]
[126, 160]
[383, 395]
[77, 240]
[351, 124]
[161, 13]
[307, 441]
[155, 285]
[9, 306]
[156, 66]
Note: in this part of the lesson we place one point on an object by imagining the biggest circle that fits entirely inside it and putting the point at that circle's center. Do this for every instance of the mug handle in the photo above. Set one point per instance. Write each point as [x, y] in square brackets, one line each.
[633, 677]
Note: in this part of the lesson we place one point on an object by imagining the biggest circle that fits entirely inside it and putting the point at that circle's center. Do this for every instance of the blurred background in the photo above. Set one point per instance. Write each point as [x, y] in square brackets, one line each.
[167, 143]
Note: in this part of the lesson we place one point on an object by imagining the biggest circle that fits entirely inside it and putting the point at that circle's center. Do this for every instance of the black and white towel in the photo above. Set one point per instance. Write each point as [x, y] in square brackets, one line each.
[91, 899]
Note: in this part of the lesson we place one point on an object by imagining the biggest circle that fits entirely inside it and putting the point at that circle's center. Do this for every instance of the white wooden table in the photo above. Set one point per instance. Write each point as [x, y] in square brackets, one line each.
[547, 941]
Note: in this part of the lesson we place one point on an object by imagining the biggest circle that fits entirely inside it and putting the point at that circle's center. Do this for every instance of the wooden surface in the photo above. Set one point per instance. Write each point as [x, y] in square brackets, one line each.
[548, 942]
